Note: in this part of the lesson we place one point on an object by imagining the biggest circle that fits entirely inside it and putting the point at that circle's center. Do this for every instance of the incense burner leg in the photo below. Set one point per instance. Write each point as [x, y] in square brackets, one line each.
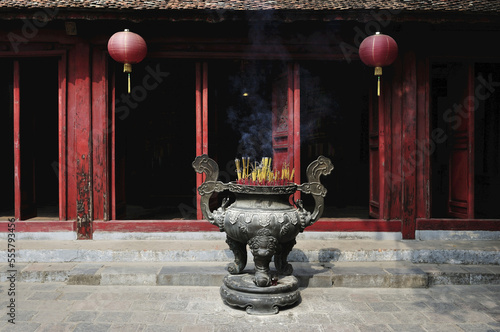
[240, 256]
[263, 248]
[281, 258]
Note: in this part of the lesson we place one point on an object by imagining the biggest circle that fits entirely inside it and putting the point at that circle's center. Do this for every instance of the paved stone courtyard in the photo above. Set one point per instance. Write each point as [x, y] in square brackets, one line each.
[57, 306]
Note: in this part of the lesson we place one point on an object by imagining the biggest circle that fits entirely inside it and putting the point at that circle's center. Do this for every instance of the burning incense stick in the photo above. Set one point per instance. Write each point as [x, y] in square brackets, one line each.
[238, 170]
[263, 173]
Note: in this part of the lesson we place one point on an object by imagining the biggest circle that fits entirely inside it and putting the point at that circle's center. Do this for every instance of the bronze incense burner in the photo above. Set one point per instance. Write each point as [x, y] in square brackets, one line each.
[263, 218]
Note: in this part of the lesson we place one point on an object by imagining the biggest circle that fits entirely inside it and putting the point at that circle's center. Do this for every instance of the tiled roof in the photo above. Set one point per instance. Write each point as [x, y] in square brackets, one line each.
[485, 6]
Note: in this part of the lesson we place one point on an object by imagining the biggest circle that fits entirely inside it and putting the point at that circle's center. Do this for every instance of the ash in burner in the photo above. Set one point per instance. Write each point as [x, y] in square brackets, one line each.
[262, 174]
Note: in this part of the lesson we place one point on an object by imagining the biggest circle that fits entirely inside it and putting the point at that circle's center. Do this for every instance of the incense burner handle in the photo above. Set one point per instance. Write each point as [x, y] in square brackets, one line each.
[321, 166]
[204, 164]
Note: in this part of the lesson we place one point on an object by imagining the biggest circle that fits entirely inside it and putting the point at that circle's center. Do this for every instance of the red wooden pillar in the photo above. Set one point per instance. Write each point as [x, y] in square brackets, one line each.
[385, 165]
[409, 152]
[383, 133]
[201, 122]
[62, 138]
[100, 128]
[17, 143]
[373, 145]
[395, 176]
[423, 139]
[79, 99]
[296, 126]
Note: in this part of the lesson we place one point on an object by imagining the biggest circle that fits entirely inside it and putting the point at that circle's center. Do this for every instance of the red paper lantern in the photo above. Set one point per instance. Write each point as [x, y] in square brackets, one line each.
[128, 48]
[378, 51]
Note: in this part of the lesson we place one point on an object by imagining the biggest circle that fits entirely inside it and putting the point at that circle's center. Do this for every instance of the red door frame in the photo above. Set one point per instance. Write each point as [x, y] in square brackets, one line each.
[67, 154]
[296, 125]
[17, 142]
[100, 131]
[62, 135]
[424, 221]
[201, 95]
[62, 138]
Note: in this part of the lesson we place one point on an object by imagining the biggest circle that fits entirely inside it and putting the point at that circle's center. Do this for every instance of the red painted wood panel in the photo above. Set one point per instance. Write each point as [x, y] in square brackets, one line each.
[458, 224]
[17, 142]
[355, 225]
[409, 145]
[290, 97]
[296, 126]
[323, 225]
[423, 139]
[81, 92]
[100, 163]
[461, 162]
[374, 164]
[71, 137]
[205, 107]
[155, 226]
[62, 135]
[201, 95]
[385, 192]
[395, 176]
[282, 118]
[381, 156]
[40, 226]
[113, 203]
[421, 155]
[199, 134]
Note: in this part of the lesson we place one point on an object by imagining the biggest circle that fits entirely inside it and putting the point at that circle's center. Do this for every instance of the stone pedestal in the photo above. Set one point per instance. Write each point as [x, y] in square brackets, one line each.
[241, 291]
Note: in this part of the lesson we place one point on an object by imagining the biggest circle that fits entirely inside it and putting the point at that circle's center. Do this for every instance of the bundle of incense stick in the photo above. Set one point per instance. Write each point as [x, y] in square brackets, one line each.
[262, 174]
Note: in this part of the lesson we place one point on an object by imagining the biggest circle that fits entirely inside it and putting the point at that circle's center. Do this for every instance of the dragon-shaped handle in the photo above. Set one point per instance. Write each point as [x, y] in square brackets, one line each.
[204, 164]
[321, 166]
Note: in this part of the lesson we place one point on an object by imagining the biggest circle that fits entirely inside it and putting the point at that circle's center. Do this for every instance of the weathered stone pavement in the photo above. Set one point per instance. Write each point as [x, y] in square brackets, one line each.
[59, 307]
[173, 285]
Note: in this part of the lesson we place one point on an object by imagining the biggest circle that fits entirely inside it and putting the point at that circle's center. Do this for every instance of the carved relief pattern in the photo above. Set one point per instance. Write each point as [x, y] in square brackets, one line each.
[233, 217]
[293, 218]
[265, 220]
[285, 229]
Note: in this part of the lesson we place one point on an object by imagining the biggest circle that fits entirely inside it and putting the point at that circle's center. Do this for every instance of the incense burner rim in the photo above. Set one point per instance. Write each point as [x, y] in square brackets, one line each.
[235, 187]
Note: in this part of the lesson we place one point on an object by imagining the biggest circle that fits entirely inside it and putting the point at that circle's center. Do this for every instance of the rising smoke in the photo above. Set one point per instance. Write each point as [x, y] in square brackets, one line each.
[250, 115]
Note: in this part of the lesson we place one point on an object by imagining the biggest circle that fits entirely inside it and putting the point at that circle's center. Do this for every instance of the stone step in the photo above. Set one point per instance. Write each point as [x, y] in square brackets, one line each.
[397, 274]
[323, 250]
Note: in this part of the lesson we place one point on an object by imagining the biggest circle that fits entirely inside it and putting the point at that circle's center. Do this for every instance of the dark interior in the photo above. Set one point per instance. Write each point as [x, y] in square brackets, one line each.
[38, 138]
[155, 140]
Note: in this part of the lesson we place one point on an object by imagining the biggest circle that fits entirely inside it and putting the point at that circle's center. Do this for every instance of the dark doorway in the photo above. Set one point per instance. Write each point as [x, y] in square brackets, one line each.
[39, 134]
[240, 117]
[450, 139]
[38, 138]
[487, 141]
[155, 140]
[334, 123]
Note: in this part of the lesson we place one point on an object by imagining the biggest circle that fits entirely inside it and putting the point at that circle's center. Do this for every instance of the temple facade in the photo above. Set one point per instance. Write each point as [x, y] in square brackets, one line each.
[84, 156]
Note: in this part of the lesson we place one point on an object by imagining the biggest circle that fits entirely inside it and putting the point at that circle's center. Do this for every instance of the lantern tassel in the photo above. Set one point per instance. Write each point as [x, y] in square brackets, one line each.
[378, 72]
[127, 68]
